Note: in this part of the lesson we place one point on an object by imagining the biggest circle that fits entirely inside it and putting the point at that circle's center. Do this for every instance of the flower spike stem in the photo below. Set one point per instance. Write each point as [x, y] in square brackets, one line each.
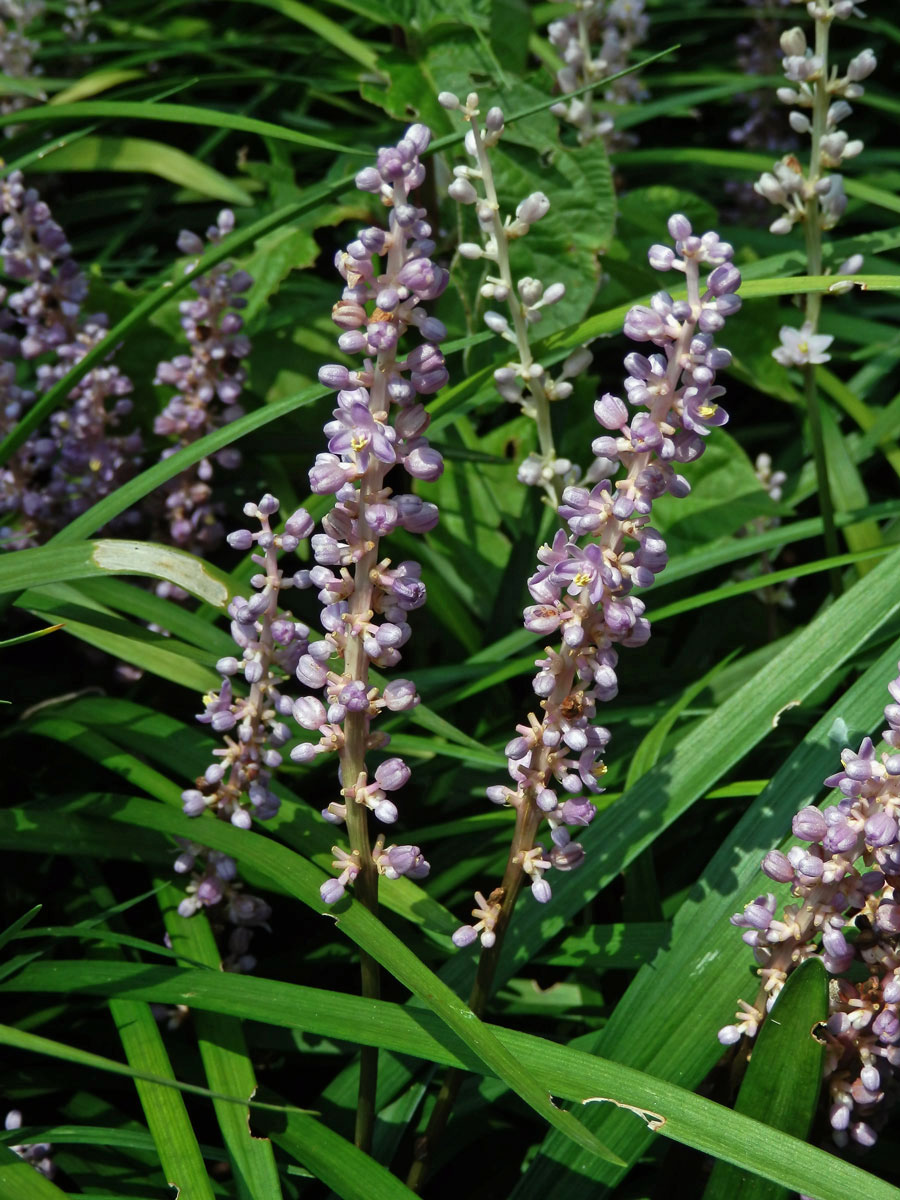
[585, 593]
[814, 416]
[378, 424]
[816, 198]
[813, 236]
[522, 381]
[506, 895]
[353, 763]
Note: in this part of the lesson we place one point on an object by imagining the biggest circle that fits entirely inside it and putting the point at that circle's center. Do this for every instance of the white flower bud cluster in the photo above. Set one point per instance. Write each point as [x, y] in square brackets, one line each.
[594, 42]
[819, 96]
[522, 381]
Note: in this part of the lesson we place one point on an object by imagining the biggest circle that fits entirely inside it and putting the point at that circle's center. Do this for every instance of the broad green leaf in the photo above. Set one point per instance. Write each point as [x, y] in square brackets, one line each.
[274, 257]
[784, 1077]
[129, 154]
[21, 569]
[226, 1062]
[167, 1118]
[706, 966]
[564, 1071]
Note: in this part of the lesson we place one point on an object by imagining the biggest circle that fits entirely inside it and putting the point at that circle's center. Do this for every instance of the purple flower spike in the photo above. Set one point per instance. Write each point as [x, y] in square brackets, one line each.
[843, 910]
[584, 584]
[76, 457]
[377, 425]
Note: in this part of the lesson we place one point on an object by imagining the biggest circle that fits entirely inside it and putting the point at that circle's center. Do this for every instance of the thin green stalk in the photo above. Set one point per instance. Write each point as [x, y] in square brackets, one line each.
[813, 303]
[520, 326]
[527, 819]
[353, 765]
[814, 415]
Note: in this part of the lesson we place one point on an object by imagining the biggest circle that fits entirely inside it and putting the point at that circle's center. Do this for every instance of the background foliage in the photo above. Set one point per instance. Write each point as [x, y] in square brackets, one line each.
[724, 726]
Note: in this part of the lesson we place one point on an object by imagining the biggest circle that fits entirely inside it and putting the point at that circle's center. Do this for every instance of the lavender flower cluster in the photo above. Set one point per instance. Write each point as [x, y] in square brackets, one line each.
[614, 27]
[236, 786]
[585, 591]
[843, 878]
[271, 643]
[208, 383]
[17, 49]
[63, 469]
[78, 13]
[379, 424]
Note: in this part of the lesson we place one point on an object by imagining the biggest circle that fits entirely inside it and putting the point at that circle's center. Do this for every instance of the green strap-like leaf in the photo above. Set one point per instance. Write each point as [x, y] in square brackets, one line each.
[329, 31]
[131, 155]
[226, 1062]
[706, 967]
[167, 1118]
[21, 569]
[20, 1181]
[784, 1077]
[562, 1070]
[179, 114]
[301, 879]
